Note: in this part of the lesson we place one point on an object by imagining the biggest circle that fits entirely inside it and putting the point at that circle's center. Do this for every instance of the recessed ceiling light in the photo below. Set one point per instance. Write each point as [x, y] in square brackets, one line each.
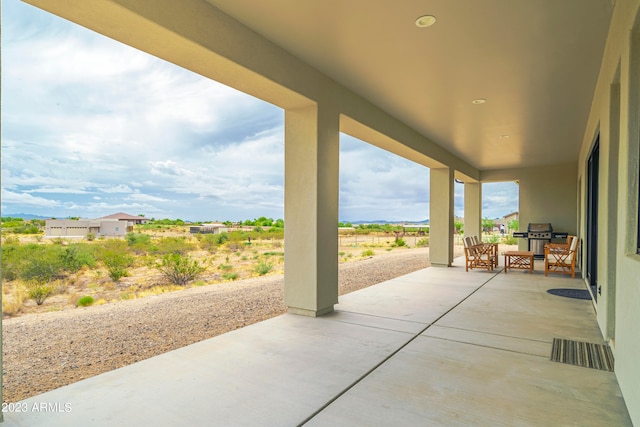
[516, 155]
[503, 136]
[479, 101]
[425, 21]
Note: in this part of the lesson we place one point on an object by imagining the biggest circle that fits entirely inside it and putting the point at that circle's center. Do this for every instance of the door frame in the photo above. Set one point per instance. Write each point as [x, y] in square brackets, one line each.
[593, 178]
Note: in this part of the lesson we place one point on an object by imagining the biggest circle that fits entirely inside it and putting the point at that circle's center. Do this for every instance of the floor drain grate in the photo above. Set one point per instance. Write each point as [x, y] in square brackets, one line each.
[588, 355]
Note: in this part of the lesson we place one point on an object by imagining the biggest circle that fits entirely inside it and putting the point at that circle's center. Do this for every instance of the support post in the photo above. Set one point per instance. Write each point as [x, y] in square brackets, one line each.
[473, 209]
[312, 149]
[441, 217]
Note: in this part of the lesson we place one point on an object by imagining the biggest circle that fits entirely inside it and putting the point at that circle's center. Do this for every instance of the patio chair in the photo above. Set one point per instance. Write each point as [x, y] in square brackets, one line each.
[560, 258]
[492, 248]
[565, 245]
[477, 255]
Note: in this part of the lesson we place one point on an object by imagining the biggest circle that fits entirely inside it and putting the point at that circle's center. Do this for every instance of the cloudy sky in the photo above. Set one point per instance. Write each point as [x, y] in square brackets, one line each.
[92, 127]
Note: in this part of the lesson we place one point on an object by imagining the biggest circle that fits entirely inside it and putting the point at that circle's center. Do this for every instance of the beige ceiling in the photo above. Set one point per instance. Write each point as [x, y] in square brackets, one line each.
[534, 61]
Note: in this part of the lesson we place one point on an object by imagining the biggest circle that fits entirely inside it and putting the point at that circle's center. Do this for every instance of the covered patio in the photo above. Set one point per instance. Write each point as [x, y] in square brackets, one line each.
[543, 93]
[434, 347]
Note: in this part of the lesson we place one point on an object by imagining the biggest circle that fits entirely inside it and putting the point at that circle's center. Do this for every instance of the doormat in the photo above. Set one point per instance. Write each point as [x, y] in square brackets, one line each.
[570, 293]
[585, 354]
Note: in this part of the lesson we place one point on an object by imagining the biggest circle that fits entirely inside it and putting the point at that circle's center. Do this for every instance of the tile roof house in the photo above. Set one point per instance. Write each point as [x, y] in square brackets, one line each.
[81, 228]
[121, 216]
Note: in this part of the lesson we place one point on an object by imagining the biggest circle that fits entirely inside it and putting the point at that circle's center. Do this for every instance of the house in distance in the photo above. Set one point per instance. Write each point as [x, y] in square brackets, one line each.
[213, 228]
[116, 225]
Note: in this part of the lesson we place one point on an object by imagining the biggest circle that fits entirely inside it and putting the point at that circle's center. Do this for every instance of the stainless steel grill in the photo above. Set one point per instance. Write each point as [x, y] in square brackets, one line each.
[537, 235]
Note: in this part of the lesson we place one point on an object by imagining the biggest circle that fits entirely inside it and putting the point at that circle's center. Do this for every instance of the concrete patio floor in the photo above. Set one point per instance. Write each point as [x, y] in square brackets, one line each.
[437, 347]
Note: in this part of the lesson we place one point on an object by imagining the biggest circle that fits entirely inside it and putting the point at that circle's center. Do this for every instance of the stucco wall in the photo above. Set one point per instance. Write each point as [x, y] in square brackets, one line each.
[615, 117]
[66, 228]
[546, 194]
[113, 228]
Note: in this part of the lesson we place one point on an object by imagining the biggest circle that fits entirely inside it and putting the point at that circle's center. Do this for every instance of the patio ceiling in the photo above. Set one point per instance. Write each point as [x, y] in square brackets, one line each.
[534, 62]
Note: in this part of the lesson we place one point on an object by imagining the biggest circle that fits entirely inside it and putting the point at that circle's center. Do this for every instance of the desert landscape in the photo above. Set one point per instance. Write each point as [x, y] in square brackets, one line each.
[143, 314]
[47, 350]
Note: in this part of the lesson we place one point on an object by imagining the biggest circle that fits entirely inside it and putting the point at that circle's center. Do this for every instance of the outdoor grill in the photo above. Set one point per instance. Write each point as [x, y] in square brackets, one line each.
[538, 234]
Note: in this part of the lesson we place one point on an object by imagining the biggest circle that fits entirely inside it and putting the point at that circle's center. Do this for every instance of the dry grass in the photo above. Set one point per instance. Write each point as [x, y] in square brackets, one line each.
[234, 260]
[13, 298]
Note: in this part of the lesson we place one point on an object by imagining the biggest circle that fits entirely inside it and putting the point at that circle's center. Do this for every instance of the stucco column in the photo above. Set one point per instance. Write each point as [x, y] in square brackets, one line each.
[441, 217]
[312, 147]
[473, 209]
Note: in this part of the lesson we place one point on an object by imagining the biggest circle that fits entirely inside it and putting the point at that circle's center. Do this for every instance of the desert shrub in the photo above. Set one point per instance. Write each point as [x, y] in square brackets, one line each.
[492, 238]
[41, 269]
[179, 269]
[239, 236]
[37, 265]
[134, 238]
[16, 258]
[39, 292]
[76, 256]
[26, 229]
[263, 268]
[221, 238]
[20, 226]
[225, 267]
[108, 246]
[275, 233]
[11, 261]
[368, 252]
[139, 242]
[91, 237]
[117, 264]
[422, 243]
[116, 272]
[208, 242]
[85, 301]
[175, 245]
[230, 276]
[510, 240]
[400, 243]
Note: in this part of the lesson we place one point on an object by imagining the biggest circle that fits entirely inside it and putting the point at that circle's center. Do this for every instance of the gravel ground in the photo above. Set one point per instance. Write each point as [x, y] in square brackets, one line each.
[45, 351]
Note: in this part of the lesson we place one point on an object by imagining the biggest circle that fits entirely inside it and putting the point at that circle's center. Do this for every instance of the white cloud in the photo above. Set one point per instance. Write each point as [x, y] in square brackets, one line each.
[27, 200]
[121, 188]
[57, 190]
[103, 209]
[375, 184]
[146, 198]
[168, 167]
[106, 128]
